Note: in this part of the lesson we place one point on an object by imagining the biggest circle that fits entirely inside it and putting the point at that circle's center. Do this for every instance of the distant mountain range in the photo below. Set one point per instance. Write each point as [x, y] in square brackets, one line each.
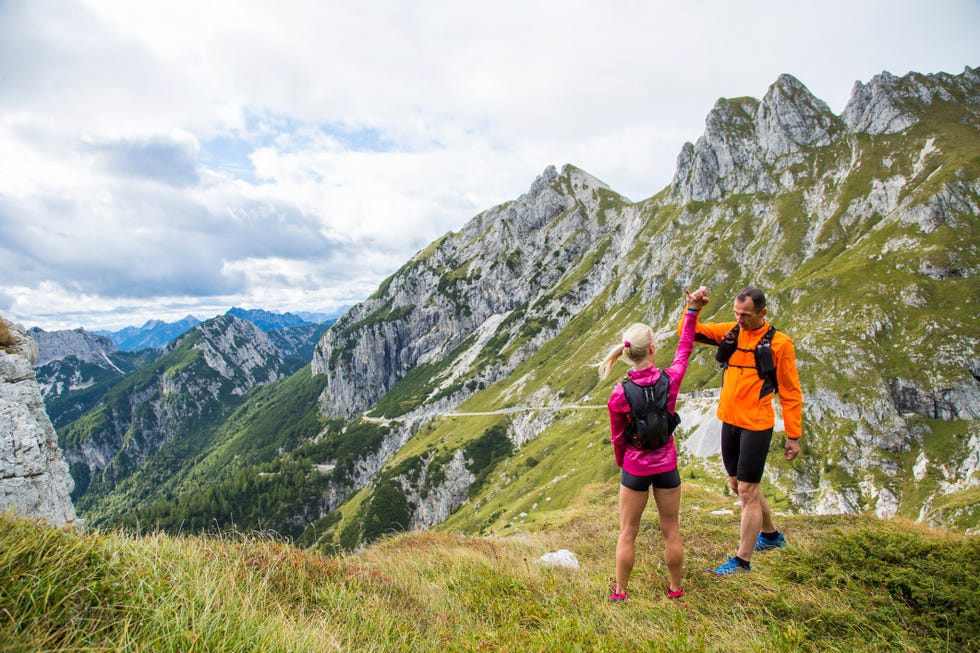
[77, 368]
[267, 320]
[156, 334]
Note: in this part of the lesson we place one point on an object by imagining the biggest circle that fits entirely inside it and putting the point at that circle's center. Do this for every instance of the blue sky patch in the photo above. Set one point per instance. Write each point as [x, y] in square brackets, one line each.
[230, 152]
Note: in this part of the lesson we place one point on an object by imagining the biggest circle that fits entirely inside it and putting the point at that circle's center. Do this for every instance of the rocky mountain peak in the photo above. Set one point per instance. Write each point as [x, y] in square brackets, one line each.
[876, 107]
[889, 104]
[747, 143]
[237, 350]
[790, 117]
[461, 288]
[727, 159]
[87, 347]
[543, 182]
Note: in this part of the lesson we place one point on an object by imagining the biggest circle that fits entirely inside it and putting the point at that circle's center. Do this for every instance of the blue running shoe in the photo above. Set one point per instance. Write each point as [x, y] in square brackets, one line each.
[729, 568]
[765, 544]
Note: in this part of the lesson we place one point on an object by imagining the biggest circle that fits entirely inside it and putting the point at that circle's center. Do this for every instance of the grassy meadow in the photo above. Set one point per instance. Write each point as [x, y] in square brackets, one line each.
[845, 583]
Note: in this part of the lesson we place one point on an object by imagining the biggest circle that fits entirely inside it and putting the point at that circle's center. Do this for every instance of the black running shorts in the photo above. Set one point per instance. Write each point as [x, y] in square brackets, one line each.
[744, 452]
[661, 481]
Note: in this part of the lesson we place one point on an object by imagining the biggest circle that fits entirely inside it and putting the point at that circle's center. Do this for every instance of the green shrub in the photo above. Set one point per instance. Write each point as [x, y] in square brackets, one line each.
[927, 581]
[6, 339]
[485, 452]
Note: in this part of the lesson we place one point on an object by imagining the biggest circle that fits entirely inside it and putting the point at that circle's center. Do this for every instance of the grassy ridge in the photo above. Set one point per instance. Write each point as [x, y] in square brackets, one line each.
[845, 583]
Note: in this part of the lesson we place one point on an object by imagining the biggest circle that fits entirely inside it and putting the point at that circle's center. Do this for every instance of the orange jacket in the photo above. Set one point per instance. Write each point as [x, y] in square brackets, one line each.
[740, 404]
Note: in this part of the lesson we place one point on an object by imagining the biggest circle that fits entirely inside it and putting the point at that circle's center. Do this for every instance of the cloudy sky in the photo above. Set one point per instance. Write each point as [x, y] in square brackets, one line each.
[166, 158]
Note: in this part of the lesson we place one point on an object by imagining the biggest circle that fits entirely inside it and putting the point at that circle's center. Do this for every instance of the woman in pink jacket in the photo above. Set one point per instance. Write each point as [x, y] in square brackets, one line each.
[646, 468]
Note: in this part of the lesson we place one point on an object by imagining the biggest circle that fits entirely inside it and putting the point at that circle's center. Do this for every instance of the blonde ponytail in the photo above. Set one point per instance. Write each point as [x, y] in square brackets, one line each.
[606, 365]
[636, 342]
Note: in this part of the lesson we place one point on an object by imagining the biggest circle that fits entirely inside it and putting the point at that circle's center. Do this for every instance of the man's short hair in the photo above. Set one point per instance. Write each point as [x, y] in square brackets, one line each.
[753, 293]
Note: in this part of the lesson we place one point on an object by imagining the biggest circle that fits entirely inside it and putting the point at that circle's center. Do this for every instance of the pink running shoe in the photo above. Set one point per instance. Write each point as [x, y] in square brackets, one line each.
[674, 594]
[615, 595]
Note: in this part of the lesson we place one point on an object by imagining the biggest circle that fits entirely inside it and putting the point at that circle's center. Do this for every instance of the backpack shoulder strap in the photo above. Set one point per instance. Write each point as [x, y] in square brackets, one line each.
[765, 363]
[632, 393]
[727, 346]
[662, 388]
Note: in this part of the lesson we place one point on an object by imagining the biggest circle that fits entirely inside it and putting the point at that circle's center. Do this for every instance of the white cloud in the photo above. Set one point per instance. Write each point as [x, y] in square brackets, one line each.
[160, 159]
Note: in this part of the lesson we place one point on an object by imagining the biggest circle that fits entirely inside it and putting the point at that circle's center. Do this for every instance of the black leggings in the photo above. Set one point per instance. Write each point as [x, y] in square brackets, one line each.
[661, 481]
[744, 452]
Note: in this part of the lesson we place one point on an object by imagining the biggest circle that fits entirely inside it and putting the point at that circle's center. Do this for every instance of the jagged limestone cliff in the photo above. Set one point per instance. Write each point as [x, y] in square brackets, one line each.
[34, 479]
[443, 305]
[85, 346]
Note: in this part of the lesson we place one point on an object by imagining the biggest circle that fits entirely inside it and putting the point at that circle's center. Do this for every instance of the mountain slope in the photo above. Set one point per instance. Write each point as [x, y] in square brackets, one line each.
[298, 342]
[71, 387]
[463, 394]
[864, 238]
[76, 368]
[444, 303]
[153, 422]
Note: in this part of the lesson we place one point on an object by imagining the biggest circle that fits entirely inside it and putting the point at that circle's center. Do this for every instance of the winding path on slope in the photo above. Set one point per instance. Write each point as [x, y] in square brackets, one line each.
[500, 411]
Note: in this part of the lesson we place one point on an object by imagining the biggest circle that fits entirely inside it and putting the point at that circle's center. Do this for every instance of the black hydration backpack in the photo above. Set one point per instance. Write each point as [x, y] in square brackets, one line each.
[764, 362]
[651, 424]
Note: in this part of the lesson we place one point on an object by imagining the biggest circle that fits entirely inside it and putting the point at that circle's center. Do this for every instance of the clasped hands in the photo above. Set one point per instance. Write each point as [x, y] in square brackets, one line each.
[698, 299]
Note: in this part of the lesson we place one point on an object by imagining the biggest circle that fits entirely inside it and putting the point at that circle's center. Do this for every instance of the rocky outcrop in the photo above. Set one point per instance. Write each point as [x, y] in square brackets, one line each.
[889, 104]
[746, 143]
[34, 479]
[85, 346]
[438, 502]
[961, 401]
[460, 287]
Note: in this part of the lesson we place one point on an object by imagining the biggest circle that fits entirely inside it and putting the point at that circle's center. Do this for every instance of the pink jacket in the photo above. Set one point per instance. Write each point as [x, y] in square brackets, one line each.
[636, 461]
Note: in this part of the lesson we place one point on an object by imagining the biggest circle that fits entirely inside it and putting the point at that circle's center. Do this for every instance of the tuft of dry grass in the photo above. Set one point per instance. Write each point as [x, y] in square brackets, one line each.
[7, 342]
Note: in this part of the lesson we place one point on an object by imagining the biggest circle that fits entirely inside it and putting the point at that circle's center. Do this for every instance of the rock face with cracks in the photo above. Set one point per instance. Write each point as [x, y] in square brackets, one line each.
[34, 478]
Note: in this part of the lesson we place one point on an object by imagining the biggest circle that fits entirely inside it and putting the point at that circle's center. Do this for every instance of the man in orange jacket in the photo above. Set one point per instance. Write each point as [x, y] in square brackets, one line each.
[746, 411]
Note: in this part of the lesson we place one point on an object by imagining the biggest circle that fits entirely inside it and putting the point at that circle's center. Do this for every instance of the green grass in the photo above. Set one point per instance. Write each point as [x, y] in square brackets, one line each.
[845, 583]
